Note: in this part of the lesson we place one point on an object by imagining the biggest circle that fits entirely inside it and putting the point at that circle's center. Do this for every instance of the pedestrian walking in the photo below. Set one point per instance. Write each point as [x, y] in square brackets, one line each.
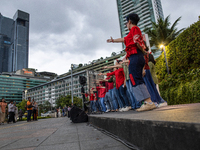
[3, 105]
[20, 114]
[16, 112]
[69, 111]
[35, 111]
[11, 111]
[29, 109]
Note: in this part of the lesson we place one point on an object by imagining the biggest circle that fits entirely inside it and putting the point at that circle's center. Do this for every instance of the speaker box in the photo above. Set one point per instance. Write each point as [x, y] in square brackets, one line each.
[77, 115]
[82, 80]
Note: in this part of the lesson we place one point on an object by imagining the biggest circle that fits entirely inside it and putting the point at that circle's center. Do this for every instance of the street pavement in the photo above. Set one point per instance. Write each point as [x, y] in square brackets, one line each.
[55, 133]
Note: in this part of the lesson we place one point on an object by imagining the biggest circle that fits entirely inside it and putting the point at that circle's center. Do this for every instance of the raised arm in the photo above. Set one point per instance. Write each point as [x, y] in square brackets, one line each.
[110, 67]
[111, 40]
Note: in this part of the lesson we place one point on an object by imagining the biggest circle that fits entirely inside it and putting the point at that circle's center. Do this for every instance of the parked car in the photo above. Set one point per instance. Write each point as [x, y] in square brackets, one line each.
[47, 114]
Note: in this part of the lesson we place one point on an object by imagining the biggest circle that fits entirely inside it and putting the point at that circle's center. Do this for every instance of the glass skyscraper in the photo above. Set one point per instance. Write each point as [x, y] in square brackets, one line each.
[148, 11]
[14, 42]
[13, 85]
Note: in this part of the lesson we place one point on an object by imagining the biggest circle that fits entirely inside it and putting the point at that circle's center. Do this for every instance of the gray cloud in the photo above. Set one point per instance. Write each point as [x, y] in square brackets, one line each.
[75, 31]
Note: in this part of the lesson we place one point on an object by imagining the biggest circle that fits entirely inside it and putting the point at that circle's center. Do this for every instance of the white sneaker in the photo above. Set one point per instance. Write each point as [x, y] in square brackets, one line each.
[126, 109]
[121, 109]
[162, 104]
[129, 107]
[146, 106]
[107, 110]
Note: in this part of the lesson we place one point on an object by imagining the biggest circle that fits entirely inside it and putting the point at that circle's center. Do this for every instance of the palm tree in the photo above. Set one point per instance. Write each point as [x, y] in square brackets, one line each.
[162, 33]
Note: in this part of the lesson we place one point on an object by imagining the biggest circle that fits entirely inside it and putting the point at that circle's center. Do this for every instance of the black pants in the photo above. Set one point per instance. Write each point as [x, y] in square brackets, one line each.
[11, 117]
[34, 114]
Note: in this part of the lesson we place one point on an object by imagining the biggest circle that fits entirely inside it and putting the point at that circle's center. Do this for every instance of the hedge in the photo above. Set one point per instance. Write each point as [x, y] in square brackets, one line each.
[183, 55]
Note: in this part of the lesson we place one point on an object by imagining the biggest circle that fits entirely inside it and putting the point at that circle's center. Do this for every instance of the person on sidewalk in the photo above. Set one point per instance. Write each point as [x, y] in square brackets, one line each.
[16, 112]
[11, 111]
[20, 114]
[29, 109]
[135, 50]
[69, 111]
[35, 110]
[3, 105]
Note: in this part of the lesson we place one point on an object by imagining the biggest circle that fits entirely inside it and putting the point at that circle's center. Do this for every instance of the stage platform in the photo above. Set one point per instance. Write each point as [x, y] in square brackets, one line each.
[174, 127]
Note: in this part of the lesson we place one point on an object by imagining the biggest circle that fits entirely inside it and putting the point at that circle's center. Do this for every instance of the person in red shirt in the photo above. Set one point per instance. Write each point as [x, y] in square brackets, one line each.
[120, 77]
[91, 98]
[108, 99]
[101, 93]
[135, 48]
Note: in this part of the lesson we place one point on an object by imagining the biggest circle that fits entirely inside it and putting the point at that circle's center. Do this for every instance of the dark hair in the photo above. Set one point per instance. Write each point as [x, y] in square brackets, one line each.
[151, 59]
[147, 48]
[118, 61]
[133, 17]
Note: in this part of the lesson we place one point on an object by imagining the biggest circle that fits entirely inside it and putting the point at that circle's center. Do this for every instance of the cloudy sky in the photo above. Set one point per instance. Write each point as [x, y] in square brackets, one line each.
[75, 31]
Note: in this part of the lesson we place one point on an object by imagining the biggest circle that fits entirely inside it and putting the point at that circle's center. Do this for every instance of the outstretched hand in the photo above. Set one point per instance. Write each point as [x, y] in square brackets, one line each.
[110, 40]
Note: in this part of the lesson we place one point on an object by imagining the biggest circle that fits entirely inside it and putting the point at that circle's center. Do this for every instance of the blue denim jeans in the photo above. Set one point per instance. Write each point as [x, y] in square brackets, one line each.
[92, 106]
[98, 105]
[133, 100]
[122, 93]
[117, 97]
[29, 115]
[114, 99]
[108, 101]
[103, 107]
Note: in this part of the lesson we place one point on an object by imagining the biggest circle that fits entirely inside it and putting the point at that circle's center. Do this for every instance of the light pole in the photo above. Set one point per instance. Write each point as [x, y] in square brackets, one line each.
[72, 82]
[162, 46]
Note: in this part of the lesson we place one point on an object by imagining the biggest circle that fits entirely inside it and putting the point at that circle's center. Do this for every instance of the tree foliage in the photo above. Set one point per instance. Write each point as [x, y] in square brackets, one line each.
[66, 100]
[162, 33]
[183, 84]
[21, 105]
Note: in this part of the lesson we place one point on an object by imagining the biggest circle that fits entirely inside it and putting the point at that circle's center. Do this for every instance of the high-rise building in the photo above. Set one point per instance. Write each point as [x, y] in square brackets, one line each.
[14, 42]
[148, 11]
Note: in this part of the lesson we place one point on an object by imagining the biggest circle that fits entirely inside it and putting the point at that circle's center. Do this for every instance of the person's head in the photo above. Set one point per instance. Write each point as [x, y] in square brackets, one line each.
[2, 100]
[151, 59]
[11, 102]
[29, 99]
[119, 62]
[132, 19]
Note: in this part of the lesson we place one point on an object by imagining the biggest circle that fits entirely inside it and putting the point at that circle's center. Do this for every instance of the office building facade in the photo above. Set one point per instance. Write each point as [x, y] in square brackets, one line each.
[148, 11]
[51, 91]
[14, 42]
[12, 85]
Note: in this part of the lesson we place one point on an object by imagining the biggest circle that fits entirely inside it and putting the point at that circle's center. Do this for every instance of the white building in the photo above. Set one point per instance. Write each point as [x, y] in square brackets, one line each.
[50, 91]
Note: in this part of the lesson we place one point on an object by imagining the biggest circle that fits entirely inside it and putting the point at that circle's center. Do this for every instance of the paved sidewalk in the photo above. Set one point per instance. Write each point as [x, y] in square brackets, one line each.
[55, 133]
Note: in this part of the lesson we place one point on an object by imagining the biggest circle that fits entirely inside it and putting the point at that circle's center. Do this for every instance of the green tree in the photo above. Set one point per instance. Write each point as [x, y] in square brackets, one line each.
[80, 65]
[162, 33]
[66, 100]
[22, 105]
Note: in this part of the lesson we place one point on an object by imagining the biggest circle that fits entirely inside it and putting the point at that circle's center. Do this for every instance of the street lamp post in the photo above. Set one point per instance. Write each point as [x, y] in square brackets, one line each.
[162, 46]
[72, 82]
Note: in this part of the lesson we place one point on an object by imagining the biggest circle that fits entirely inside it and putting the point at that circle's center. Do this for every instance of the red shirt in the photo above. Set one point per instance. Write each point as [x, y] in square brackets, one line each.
[146, 57]
[91, 97]
[119, 75]
[134, 36]
[101, 91]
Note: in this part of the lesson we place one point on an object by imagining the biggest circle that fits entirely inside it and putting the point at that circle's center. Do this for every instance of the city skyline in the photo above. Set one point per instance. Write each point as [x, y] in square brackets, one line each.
[14, 42]
[77, 31]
